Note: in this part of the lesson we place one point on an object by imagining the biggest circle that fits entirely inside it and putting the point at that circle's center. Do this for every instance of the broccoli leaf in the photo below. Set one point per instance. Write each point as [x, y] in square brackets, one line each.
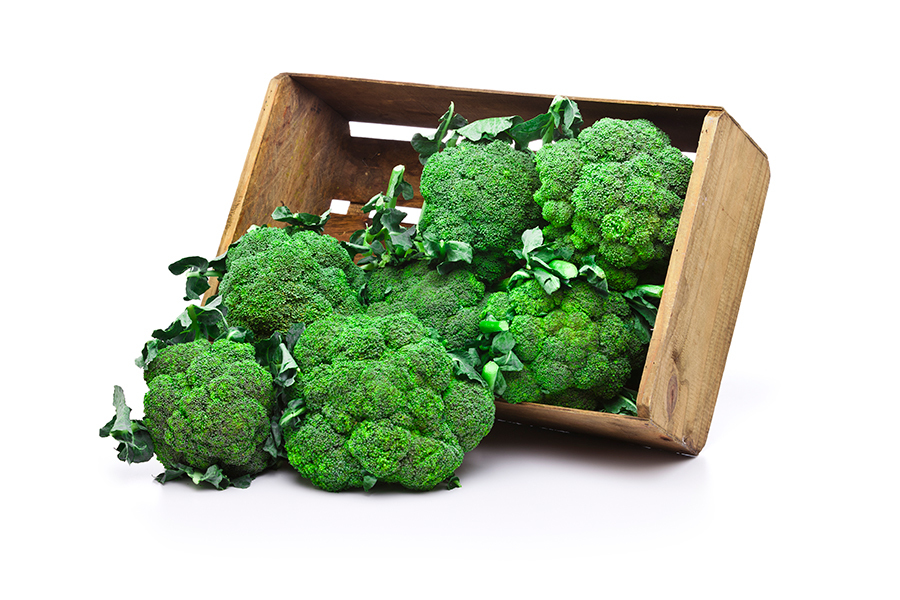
[213, 476]
[426, 146]
[135, 445]
[467, 363]
[301, 221]
[645, 310]
[623, 404]
[594, 275]
[369, 482]
[551, 266]
[493, 128]
[445, 255]
[198, 270]
[195, 322]
[385, 241]
[562, 120]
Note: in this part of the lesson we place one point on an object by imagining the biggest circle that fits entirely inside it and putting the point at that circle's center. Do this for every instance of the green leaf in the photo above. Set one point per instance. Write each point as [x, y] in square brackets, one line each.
[458, 252]
[195, 263]
[509, 362]
[302, 221]
[213, 476]
[564, 269]
[548, 281]
[533, 129]
[489, 129]
[503, 342]
[467, 363]
[135, 443]
[293, 413]
[369, 482]
[625, 403]
[594, 275]
[532, 239]
[426, 146]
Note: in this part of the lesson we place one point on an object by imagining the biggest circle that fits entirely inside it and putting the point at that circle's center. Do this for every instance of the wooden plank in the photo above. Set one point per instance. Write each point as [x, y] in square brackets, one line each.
[621, 427]
[422, 105]
[705, 282]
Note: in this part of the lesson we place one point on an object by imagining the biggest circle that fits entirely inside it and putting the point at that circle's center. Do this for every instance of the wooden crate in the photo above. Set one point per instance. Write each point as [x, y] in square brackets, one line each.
[302, 156]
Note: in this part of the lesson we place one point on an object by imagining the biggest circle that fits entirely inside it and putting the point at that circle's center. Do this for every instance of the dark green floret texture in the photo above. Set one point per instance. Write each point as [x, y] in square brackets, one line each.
[615, 192]
[276, 279]
[382, 402]
[481, 194]
[450, 305]
[210, 404]
[579, 348]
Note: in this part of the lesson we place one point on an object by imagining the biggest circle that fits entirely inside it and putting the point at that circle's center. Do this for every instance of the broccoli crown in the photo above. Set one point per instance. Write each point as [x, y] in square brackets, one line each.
[578, 348]
[624, 214]
[449, 305]
[382, 402]
[614, 192]
[275, 279]
[210, 404]
[481, 194]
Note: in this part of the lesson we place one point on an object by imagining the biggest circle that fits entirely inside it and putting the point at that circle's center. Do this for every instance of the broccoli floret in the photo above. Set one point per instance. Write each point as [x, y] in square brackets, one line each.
[450, 305]
[210, 404]
[382, 403]
[615, 192]
[558, 167]
[627, 217]
[481, 194]
[577, 347]
[617, 140]
[275, 279]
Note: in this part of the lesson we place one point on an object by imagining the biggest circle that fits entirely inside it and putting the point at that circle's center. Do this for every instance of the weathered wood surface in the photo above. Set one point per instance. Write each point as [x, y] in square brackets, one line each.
[704, 283]
[302, 156]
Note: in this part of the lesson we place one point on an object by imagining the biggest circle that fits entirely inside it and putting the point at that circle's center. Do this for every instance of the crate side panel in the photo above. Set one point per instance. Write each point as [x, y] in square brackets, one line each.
[705, 282]
[619, 427]
[422, 105]
[301, 145]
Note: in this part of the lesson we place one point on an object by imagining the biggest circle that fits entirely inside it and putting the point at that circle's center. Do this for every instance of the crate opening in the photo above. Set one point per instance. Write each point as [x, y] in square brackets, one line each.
[386, 131]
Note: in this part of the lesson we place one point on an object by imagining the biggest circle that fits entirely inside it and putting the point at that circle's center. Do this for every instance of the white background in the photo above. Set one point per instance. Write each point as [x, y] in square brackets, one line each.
[124, 130]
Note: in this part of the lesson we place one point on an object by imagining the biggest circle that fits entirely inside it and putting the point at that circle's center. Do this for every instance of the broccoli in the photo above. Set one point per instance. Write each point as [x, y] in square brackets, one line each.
[276, 278]
[615, 192]
[210, 404]
[450, 305]
[381, 403]
[480, 194]
[578, 348]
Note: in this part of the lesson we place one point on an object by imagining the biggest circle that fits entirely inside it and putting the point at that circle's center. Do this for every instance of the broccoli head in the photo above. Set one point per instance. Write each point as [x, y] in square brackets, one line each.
[481, 194]
[276, 278]
[210, 404]
[382, 404]
[577, 347]
[450, 305]
[615, 192]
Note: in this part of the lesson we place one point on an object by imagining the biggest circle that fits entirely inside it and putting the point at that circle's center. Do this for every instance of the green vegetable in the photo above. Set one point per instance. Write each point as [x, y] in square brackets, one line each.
[135, 442]
[381, 403]
[276, 278]
[480, 194]
[578, 348]
[449, 305]
[614, 192]
[210, 404]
